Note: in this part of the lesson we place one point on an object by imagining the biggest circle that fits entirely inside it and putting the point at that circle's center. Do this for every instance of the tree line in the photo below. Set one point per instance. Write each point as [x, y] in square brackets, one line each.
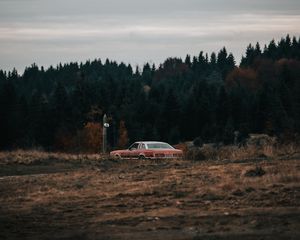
[207, 97]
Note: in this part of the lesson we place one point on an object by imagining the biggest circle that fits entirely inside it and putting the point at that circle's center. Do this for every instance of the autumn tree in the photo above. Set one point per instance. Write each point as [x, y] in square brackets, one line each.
[92, 137]
[60, 107]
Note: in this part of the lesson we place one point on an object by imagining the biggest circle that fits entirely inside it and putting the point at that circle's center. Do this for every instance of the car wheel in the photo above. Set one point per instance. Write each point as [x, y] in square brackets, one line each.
[142, 157]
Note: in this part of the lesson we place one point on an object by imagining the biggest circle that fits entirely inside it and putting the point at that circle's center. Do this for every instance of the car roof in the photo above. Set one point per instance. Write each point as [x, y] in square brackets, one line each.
[150, 142]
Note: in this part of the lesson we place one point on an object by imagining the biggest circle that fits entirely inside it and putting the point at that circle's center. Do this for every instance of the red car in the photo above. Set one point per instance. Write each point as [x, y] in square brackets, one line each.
[150, 150]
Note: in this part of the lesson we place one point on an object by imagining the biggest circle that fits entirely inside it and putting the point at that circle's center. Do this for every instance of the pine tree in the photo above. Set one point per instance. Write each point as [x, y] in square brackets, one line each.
[8, 115]
[187, 61]
[213, 59]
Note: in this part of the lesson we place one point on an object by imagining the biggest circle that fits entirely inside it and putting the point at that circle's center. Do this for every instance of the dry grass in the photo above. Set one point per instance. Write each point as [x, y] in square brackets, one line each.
[234, 153]
[31, 156]
[163, 197]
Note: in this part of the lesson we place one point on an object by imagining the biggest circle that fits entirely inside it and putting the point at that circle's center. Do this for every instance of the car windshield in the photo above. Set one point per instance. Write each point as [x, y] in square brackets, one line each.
[159, 145]
[134, 146]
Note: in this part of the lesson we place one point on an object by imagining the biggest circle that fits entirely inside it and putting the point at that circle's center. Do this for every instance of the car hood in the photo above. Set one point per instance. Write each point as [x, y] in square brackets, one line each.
[118, 151]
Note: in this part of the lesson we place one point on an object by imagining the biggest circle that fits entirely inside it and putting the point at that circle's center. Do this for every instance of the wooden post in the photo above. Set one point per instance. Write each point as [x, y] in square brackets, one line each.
[104, 133]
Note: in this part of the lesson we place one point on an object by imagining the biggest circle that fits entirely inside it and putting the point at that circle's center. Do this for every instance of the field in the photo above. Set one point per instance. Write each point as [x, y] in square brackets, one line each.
[59, 196]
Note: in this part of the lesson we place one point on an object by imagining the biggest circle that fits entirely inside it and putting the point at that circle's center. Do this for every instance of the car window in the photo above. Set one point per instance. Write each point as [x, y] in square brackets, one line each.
[142, 146]
[134, 146]
[159, 146]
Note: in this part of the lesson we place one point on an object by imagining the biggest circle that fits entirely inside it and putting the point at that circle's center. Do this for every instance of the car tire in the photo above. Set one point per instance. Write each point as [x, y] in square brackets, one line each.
[142, 157]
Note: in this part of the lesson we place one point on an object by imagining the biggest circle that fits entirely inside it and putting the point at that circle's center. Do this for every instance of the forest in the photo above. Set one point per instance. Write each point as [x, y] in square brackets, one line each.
[206, 97]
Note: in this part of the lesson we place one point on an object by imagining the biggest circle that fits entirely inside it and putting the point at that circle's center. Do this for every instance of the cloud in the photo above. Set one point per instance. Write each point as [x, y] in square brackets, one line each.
[127, 29]
[47, 32]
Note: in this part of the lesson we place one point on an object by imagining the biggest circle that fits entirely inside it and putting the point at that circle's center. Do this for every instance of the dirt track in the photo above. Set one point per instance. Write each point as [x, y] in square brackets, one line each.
[130, 199]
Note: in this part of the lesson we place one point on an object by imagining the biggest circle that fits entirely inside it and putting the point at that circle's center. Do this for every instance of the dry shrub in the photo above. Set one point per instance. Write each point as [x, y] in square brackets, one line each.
[211, 196]
[34, 156]
[222, 153]
[240, 153]
[260, 140]
[289, 177]
[195, 154]
[182, 146]
[282, 172]
[208, 152]
[226, 187]
[258, 171]
[230, 152]
[288, 149]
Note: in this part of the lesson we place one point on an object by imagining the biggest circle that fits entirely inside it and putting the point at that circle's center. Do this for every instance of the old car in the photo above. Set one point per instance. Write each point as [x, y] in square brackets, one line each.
[148, 150]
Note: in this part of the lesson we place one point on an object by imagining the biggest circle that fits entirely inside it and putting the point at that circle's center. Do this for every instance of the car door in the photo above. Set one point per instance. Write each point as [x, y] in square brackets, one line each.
[133, 150]
[125, 153]
[141, 150]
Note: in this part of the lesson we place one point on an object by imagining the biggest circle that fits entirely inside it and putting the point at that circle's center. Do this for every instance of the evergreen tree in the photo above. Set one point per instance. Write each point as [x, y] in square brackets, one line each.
[8, 115]
[180, 100]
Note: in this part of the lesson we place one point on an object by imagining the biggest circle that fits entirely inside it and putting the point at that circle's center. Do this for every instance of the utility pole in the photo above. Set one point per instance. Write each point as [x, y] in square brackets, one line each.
[105, 126]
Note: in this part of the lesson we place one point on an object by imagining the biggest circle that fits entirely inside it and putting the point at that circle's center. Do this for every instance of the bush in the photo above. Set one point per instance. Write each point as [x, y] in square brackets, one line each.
[195, 154]
[206, 152]
[257, 172]
[198, 142]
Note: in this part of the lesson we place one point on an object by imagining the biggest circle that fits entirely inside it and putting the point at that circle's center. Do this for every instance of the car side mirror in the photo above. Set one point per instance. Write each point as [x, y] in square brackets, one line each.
[130, 149]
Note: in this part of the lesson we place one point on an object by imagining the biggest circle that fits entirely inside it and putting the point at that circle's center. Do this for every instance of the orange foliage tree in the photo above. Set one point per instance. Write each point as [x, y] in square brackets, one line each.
[243, 77]
[92, 137]
[88, 139]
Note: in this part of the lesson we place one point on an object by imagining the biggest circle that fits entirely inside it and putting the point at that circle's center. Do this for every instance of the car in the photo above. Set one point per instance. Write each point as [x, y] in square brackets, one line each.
[148, 150]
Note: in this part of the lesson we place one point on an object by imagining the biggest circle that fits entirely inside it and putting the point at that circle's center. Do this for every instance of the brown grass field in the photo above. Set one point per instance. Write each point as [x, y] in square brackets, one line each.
[59, 196]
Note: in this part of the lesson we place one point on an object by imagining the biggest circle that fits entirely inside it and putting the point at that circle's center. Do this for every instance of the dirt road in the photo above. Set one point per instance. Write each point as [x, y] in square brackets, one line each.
[131, 199]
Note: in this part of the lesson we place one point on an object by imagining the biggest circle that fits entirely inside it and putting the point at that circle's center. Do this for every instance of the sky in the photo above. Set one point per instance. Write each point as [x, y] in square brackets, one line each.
[136, 31]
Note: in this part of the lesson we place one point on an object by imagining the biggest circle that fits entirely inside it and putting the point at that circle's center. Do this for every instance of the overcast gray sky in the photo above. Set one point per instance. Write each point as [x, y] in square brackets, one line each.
[136, 31]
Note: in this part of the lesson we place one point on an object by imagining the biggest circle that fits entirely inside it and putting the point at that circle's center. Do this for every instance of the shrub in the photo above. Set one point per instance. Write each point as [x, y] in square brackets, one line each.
[198, 142]
[195, 154]
[257, 172]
